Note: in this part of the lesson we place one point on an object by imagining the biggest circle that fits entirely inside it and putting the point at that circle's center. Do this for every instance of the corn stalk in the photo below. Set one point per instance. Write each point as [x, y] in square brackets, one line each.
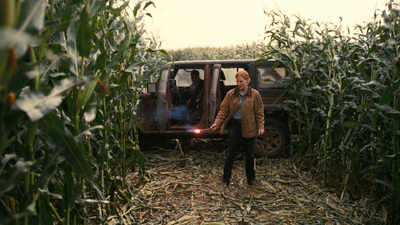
[345, 92]
[55, 107]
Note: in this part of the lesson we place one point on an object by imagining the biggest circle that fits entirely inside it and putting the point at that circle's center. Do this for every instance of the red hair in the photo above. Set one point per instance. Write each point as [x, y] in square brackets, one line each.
[244, 74]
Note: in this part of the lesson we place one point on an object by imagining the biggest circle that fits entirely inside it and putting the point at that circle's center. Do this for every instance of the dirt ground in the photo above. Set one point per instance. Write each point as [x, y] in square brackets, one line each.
[183, 186]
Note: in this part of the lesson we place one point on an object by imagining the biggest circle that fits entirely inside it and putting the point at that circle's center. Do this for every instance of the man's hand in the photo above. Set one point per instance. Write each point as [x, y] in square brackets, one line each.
[260, 132]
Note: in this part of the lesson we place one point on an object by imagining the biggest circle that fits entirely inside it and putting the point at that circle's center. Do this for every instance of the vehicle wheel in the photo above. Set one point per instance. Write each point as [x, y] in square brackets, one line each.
[148, 142]
[144, 142]
[274, 140]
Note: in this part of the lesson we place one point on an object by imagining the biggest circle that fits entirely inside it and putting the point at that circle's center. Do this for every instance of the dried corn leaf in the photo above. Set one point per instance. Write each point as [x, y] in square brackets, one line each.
[187, 189]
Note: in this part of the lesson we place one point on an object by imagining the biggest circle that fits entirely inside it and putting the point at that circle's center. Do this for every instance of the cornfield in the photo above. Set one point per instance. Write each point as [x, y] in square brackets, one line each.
[245, 51]
[71, 74]
[344, 106]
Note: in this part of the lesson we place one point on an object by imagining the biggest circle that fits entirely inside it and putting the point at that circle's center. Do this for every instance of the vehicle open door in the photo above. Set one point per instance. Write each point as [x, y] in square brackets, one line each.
[163, 96]
[214, 101]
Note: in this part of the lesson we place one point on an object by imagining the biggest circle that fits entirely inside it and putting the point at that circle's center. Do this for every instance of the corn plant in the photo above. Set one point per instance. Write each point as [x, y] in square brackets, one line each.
[71, 74]
[243, 51]
[344, 101]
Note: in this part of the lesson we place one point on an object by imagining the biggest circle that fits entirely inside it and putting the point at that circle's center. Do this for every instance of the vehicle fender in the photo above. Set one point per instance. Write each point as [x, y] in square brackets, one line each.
[147, 112]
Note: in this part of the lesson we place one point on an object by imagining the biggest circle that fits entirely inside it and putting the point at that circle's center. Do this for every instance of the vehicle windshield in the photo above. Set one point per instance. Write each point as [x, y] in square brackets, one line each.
[182, 77]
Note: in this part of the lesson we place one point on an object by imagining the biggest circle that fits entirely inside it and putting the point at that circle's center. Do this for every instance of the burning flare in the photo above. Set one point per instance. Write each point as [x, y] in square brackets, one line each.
[198, 131]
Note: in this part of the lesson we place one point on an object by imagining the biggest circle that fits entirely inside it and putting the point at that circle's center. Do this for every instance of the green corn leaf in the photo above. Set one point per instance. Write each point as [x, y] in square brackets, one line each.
[48, 173]
[65, 142]
[163, 52]
[36, 104]
[4, 160]
[32, 15]
[117, 12]
[71, 45]
[367, 105]
[386, 97]
[84, 36]
[90, 114]
[102, 59]
[88, 132]
[97, 189]
[97, 6]
[136, 9]
[13, 176]
[68, 190]
[387, 109]
[44, 208]
[150, 50]
[85, 93]
[119, 55]
[10, 37]
[389, 185]
[350, 124]
[135, 66]
[148, 4]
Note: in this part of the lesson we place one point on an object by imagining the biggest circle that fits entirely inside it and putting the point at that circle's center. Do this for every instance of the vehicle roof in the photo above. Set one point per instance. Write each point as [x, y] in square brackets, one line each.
[224, 63]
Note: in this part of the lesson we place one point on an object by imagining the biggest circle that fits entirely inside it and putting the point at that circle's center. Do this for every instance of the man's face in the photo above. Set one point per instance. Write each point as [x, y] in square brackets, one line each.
[195, 78]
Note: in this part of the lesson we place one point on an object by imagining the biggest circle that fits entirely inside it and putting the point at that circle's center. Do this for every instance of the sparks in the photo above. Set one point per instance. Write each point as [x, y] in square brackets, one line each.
[197, 131]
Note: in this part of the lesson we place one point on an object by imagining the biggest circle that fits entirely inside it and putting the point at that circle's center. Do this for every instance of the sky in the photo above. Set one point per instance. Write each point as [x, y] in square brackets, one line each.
[224, 23]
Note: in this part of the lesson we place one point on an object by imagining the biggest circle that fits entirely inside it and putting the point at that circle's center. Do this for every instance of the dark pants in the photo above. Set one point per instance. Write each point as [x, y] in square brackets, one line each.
[235, 141]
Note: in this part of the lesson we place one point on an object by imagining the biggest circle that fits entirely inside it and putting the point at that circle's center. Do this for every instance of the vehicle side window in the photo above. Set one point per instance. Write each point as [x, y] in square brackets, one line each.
[267, 77]
[230, 75]
[183, 77]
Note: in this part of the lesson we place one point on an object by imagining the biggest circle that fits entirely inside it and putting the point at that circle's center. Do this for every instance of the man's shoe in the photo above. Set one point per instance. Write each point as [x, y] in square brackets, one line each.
[252, 182]
[225, 184]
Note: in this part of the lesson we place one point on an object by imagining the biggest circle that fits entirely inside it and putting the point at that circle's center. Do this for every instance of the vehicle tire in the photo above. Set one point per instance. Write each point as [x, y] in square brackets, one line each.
[143, 141]
[149, 142]
[274, 140]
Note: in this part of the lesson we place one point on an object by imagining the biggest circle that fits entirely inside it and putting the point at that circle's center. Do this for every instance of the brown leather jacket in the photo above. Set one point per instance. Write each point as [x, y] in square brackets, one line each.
[252, 118]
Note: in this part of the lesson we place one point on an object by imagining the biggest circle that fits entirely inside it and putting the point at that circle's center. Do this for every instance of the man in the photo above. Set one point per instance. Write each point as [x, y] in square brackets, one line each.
[195, 102]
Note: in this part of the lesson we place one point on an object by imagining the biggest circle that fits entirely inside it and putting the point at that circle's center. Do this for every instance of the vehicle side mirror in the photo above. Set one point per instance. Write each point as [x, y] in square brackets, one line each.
[151, 88]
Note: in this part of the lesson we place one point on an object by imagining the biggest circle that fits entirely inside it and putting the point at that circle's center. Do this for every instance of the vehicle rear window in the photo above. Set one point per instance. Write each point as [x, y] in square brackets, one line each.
[267, 77]
[230, 75]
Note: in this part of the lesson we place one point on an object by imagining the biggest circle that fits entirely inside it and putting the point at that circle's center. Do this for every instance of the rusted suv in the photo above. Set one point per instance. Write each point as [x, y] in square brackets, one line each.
[165, 113]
